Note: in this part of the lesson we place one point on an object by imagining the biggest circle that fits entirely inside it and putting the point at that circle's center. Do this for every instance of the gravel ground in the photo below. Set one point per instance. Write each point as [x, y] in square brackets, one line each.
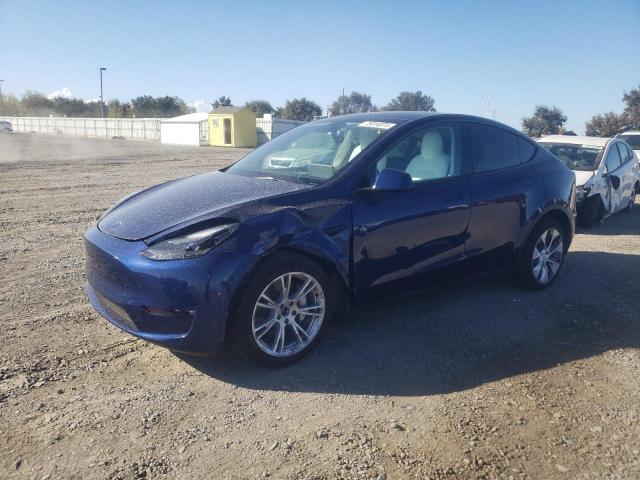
[480, 380]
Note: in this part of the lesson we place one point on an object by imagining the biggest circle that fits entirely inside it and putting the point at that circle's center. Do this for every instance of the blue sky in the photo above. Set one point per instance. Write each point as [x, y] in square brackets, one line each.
[578, 55]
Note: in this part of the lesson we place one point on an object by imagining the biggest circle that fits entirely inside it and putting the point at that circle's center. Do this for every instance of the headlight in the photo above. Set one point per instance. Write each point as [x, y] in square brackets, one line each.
[191, 245]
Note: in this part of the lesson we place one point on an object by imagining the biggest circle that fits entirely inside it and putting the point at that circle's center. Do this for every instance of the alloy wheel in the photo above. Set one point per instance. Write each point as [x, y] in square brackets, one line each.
[288, 314]
[547, 256]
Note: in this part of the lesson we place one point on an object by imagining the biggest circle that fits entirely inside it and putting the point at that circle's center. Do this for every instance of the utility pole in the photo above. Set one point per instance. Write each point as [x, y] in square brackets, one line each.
[344, 109]
[101, 96]
[487, 106]
[1, 109]
[489, 111]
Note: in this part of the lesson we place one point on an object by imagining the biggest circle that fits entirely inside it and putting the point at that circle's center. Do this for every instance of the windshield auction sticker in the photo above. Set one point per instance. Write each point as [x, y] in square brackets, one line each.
[381, 125]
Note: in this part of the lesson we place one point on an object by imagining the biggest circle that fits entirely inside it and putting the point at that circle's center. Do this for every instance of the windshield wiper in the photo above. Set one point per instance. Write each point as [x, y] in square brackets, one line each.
[270, 178]
[309, 180]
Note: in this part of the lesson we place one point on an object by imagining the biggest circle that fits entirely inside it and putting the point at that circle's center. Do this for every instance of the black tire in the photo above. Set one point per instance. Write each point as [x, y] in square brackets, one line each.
[525, 274]
[591, 211]
[240, 331]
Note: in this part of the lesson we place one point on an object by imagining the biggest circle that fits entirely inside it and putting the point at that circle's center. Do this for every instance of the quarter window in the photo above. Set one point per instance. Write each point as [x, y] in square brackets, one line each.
[526, 150]
[493, 148]
[613, 159]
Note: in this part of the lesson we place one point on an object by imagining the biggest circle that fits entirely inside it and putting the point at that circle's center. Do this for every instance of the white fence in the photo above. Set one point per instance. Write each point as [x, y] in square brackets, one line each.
[130, 128]
[268, 128]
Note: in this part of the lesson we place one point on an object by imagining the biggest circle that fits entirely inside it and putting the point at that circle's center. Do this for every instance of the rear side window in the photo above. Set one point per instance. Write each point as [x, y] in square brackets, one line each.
[632, 140]
[613, 159]
[625, 156]
[492, 148]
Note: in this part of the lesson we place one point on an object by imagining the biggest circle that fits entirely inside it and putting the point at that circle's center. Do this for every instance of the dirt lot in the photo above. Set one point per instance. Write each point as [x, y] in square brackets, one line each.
[478, 381]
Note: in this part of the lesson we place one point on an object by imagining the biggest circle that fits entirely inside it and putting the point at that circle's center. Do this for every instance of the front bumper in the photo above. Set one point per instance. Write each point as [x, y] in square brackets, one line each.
[176, 304]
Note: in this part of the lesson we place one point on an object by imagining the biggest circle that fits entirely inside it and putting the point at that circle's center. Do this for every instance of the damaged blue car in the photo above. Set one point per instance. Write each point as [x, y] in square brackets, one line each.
[333, 214]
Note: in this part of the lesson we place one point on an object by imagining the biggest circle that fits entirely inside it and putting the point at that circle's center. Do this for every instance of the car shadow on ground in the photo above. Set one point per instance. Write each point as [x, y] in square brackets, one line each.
[621, 223]
[455, 338]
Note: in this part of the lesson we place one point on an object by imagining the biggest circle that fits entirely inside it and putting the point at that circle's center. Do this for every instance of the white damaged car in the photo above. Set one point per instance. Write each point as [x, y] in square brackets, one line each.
[606, 169]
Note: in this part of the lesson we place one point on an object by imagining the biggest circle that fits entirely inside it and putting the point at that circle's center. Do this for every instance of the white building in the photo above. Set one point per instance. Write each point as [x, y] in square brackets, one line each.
[190, 129]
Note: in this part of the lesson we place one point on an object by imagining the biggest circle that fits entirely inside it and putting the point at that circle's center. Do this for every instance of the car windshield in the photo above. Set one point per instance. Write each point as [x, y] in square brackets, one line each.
[311, 153]
[632, 140]
[576, 157]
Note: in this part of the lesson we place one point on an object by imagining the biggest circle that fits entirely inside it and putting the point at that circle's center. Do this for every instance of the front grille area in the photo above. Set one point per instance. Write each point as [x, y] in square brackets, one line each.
[143, 320]
[174, 323]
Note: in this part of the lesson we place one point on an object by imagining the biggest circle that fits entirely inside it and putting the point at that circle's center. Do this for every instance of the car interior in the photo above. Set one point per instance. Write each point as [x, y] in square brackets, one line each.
[576, 157]
[425, 154]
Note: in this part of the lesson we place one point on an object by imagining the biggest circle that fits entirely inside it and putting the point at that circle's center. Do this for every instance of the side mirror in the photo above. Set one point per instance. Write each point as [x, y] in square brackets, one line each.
[392, 180]
[614, 180]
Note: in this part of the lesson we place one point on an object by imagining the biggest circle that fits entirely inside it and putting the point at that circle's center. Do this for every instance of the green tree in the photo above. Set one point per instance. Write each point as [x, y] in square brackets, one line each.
[223, 101]
[118, 109]
[162, 107]
[545, 121]
[606, 125]
[70, 107]
[300, 109]
[172, 106]
[632, 108]
[354, 103]
[93, 110]
[260, 107]
[144, 106]
[11, 105]
[412, 101]
[36, 104]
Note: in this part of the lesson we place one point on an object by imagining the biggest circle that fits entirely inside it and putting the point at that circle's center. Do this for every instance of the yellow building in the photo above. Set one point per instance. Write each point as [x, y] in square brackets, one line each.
[232, 127]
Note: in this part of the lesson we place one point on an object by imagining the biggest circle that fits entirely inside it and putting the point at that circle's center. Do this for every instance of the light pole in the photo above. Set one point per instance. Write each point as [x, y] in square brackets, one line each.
[101, 96]
[1, 110]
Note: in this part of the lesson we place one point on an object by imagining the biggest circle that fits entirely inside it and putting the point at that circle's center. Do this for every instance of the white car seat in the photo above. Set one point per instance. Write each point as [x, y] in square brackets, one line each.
[366, 135]
[432, 162]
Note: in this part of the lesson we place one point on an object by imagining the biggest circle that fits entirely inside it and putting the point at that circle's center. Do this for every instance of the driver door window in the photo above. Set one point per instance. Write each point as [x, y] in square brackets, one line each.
[625, 156]
[427, 153]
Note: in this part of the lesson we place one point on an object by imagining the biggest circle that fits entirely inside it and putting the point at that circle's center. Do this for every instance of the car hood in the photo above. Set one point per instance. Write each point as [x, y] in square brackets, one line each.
[582, 177]
[164, 206]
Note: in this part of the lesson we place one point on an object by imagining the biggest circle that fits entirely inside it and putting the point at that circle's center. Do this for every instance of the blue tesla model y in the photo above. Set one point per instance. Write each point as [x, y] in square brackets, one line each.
[330, 215]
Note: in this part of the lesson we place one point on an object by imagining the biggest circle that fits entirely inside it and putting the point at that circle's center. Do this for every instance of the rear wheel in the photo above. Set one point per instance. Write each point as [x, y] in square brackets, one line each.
[542, 256]
[282, 312]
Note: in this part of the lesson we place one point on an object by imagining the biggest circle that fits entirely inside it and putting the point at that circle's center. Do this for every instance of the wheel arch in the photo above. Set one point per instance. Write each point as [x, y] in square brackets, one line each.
[337, 280]
[560, 216]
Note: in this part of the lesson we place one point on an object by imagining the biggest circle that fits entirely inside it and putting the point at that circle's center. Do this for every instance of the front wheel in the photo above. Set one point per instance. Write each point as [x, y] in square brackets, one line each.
[542, 256]
[632, 200]
[591, 211]
[282, 312]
